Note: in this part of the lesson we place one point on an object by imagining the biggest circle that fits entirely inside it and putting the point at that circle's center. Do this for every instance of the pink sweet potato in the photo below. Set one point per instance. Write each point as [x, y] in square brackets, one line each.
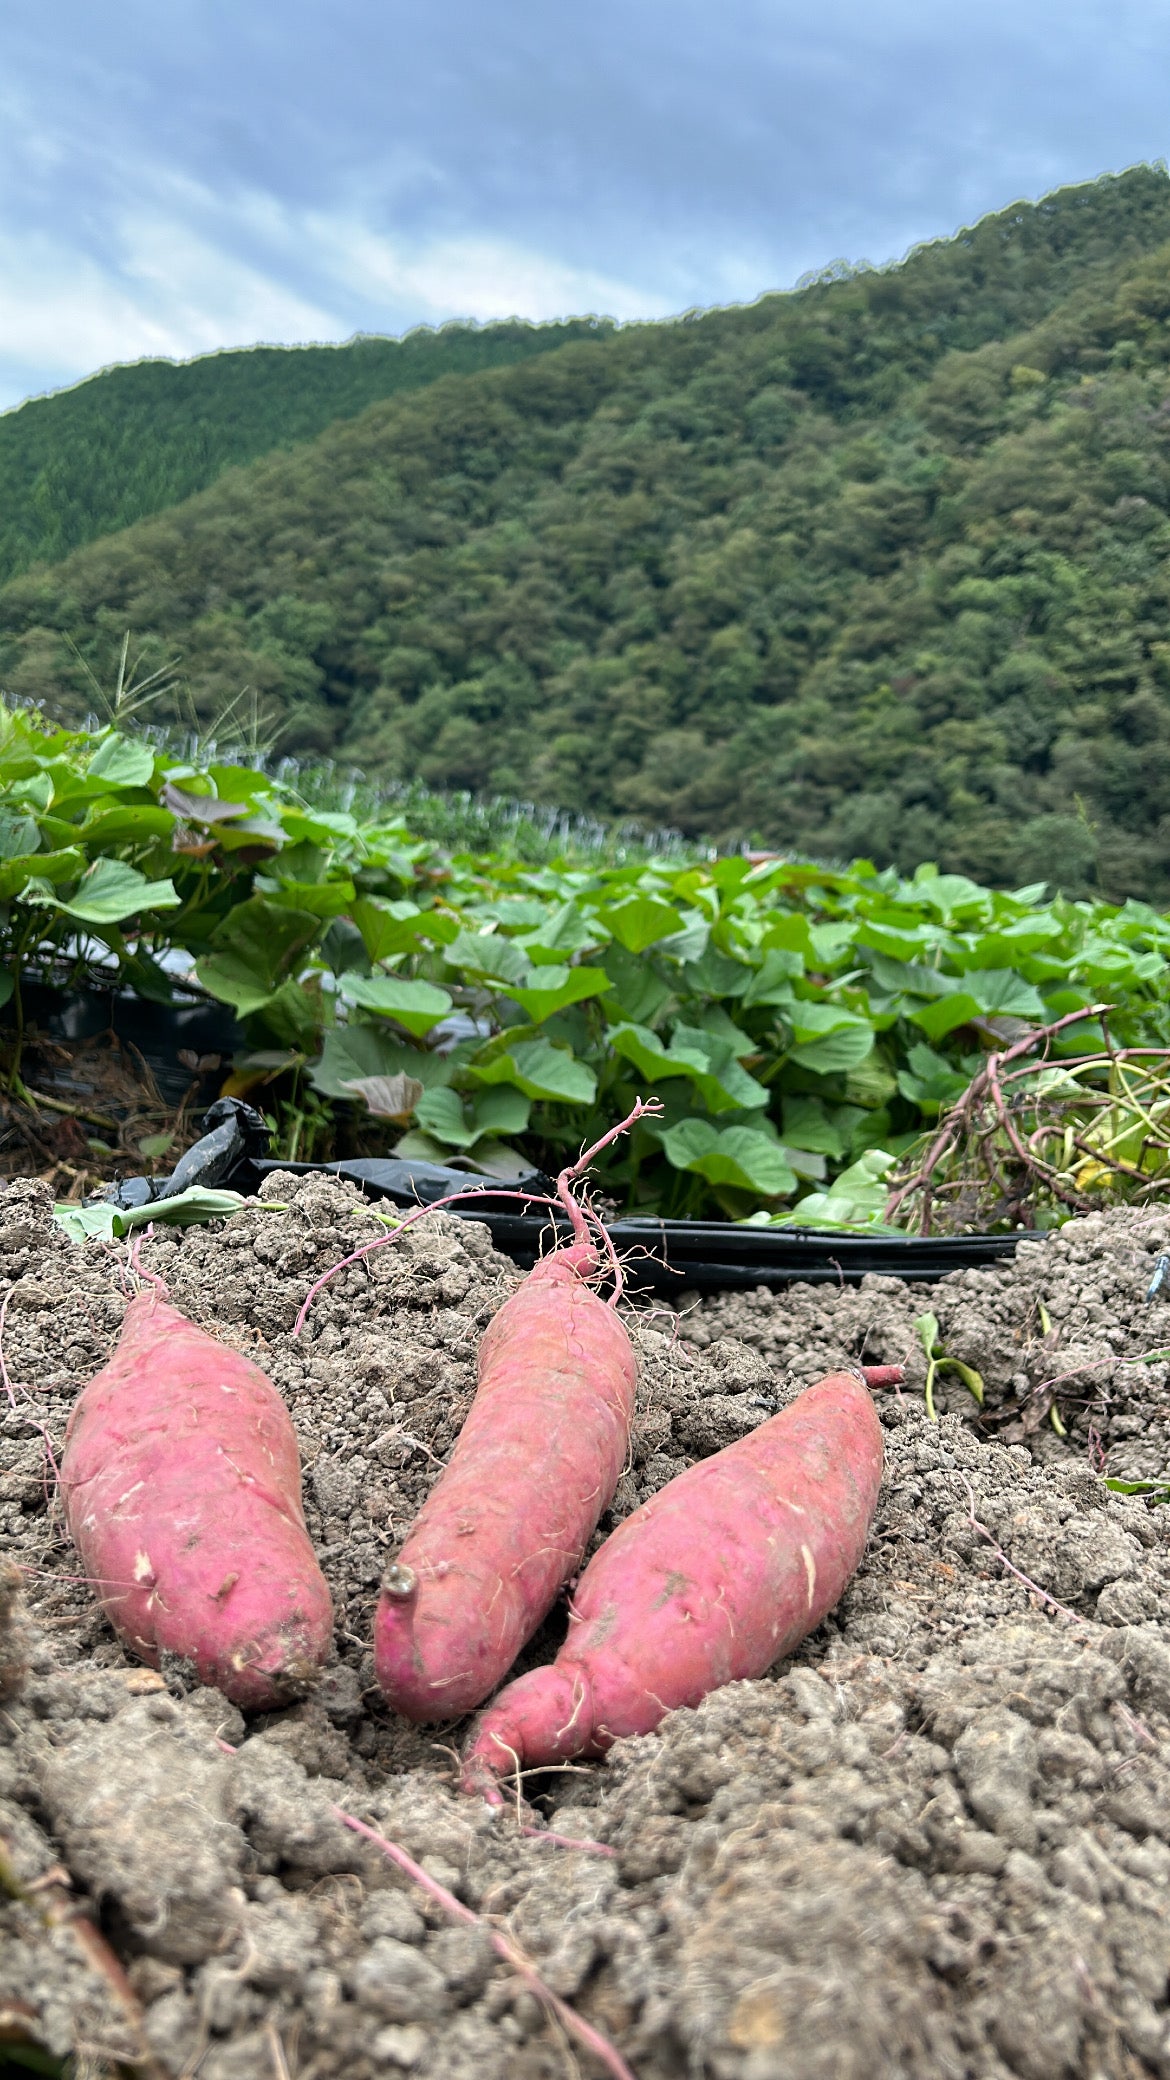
[182, 1491]
[719, 1574]
[534, 1467]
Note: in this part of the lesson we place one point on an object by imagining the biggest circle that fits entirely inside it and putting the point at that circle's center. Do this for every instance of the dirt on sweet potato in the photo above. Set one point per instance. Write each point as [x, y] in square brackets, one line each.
[935, 1842]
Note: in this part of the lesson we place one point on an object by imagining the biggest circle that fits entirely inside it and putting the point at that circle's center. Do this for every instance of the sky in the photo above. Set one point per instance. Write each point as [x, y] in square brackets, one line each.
[197, 174]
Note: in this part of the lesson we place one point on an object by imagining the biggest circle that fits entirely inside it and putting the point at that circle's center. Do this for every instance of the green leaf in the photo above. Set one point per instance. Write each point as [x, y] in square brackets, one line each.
[1001, 993]
[828, 1038]
[254, 947]
[292, 1016]
[710, 1065]
[388, 928]
[440, 1113]
[637, 989]
[122, 761]
[426, 1148]
[18, 835]
[641, 921]
[691, 943]
[502, 1111]
[540, 1070]
[910, 978]
[951, 896]
[550, 989]
[789, 930]
[112, 891]
[416, 1005]
[807, 1125]
[715, 1025]
[487, 1159]
[926, 1330]
[772, 981]
[198, 1203]
[130, 823]
[740, 1156]
[870, 1084]
[565, 930]
[830, 942]
[490, 955]
[313, 898]
[929, 1081]
[715, 974]
[45, 868]
[230, 978]
[942, 1017]
[855, 1199]
[353, 1052]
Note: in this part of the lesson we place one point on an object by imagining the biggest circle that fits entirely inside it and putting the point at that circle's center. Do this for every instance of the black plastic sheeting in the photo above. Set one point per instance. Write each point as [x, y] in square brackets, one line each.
[158, 1032]
[659, 1256]
[665, 1256]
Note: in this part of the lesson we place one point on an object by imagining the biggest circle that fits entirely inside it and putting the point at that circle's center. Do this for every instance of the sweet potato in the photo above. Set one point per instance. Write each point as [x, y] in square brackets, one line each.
[182, 1491]
[719, 1574]
[534, 1467]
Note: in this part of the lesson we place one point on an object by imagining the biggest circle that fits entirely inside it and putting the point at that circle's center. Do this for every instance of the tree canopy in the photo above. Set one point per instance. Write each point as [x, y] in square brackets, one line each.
[138, 438]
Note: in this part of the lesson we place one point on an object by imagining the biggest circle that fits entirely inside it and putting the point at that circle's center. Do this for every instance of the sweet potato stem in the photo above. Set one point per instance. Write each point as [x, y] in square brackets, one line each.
[580, 1216]
[575, 2025]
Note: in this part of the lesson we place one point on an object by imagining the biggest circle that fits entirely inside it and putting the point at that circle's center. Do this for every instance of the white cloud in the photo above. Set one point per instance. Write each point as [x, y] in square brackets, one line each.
[468, 277]
[171, 292]
[173, 282]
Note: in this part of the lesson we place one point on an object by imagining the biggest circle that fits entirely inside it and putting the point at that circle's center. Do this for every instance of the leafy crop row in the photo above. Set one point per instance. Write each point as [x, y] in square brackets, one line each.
[801, 1025]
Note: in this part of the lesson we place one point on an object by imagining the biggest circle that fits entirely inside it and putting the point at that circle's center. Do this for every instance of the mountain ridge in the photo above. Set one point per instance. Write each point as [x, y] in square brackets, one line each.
[72, 462]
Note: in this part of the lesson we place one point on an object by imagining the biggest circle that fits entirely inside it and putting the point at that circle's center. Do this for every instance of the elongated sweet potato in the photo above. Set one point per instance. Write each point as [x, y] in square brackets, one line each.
[534, 1467]
[719, 1574]
[182, 1491]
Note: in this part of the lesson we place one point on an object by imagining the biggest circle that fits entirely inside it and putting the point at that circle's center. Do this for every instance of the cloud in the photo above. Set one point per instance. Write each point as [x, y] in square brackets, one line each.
[472, 277]
[63, 313]
[201, 174]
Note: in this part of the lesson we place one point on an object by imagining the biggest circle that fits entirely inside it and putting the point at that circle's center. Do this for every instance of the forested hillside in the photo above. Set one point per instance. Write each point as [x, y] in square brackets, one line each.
[882, 567]
[137, 439]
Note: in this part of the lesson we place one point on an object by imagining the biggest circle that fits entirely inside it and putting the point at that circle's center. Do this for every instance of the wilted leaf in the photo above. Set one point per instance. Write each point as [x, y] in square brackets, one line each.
[388, 1097]
[206, 809]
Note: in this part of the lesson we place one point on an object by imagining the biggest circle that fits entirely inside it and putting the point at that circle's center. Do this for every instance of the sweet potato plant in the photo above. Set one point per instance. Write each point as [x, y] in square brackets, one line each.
[803, 1026]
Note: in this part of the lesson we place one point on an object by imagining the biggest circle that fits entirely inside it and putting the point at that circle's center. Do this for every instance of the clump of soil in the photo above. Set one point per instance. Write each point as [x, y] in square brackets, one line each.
[935, 1842]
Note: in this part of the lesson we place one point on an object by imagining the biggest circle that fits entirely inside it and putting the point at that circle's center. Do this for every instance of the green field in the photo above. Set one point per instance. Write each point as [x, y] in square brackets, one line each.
[801, 1027]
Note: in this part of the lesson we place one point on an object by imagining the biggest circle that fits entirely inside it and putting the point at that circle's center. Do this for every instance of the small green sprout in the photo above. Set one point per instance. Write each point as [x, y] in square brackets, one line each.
[938, 1360]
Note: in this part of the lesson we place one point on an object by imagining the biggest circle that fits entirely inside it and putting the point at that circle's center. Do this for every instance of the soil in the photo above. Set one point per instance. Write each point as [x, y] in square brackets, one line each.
[934, 1842]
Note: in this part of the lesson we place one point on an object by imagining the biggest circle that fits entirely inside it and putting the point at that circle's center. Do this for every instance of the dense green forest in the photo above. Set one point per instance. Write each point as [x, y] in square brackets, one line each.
[136, 439]
[881, 567]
